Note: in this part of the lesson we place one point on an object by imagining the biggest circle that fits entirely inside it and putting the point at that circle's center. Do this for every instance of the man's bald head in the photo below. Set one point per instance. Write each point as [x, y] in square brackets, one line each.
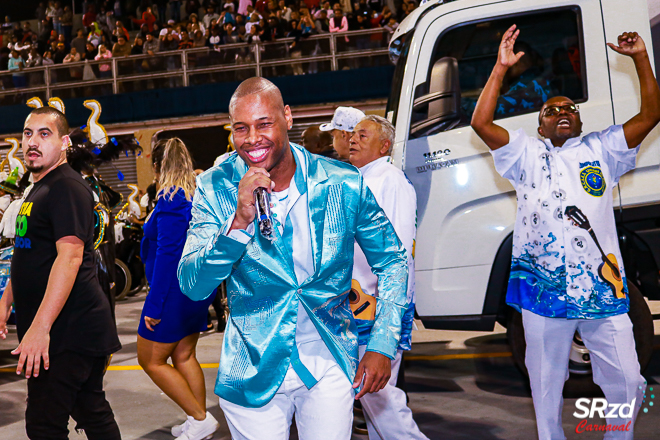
[257, 85]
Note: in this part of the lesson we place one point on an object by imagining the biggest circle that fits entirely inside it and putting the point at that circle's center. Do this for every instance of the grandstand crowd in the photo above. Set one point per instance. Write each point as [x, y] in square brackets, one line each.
[130, 27]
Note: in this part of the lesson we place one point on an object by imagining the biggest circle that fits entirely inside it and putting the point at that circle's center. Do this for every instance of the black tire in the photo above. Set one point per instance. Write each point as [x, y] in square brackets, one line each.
[580, 383]
[123, 280]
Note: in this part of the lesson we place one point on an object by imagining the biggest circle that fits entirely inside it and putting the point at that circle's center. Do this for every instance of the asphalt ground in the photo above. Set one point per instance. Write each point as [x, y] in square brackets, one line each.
[461, 385]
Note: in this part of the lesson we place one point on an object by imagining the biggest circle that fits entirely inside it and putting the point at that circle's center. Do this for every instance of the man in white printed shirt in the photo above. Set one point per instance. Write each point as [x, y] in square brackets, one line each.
[567, 271]
[386, 413]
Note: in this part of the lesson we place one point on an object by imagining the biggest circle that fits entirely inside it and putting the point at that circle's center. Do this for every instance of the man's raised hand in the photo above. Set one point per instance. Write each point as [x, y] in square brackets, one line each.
[630, 44]
[506, 56]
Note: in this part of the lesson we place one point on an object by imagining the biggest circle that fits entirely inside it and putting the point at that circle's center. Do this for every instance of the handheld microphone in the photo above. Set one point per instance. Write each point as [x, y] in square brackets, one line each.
[264, 217]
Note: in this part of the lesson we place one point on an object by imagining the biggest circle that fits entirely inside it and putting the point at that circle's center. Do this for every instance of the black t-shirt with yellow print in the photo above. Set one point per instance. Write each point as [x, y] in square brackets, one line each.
[61, 205]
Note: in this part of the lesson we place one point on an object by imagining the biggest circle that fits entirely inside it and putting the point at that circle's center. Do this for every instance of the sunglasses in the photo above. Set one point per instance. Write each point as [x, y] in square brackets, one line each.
[554, 110]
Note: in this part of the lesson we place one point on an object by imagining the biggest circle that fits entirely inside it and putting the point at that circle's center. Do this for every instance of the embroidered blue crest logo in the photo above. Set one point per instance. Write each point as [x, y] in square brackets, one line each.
[593, 181]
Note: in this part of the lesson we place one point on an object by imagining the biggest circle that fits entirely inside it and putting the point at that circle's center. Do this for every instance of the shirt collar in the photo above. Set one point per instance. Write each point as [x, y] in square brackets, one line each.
[570, 143]
[374, 163]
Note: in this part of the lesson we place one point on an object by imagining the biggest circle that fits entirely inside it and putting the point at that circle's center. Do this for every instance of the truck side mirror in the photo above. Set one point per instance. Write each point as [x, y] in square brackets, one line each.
[439, 109]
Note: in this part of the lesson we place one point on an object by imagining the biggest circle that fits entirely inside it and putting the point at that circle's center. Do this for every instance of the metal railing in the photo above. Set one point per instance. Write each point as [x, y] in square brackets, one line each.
[189, 67]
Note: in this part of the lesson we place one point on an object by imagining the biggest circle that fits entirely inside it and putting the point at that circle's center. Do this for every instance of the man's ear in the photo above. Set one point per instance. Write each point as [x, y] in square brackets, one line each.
[540, 130]
[289, 117]
[385, 149]
[66, 142]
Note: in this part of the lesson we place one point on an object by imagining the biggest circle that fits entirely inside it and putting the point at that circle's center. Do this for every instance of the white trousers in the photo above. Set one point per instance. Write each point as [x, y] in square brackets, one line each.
[324, 412]
[386, 412]
[613, 359]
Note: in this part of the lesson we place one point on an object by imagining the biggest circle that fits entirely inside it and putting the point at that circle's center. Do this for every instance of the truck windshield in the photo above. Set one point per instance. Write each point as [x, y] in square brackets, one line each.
[399, 55]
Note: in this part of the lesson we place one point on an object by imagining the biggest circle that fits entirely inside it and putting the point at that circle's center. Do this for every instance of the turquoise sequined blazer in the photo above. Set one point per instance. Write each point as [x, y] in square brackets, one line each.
[262, 290]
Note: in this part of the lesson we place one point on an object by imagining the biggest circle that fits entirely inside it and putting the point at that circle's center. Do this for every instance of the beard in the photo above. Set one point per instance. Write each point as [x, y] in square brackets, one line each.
[32, 168]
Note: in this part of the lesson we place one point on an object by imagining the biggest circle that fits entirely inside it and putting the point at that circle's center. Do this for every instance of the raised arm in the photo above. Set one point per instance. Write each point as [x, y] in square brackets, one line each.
[640, 125]
[482, 119]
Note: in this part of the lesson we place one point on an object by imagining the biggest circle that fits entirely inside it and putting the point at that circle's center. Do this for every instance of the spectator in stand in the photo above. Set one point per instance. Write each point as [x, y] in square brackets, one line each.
[260, 6]
[61, 39]
[254, 36]
[110, 22]
[329, 12]
[169, 43]
[89, 17]
[95, 34]
[66, 22]
[275, 28]
[120, 30]
[254, 20]
[121, 48]
[210, 15]
[390, 27]
[79, 42]
[231, 34]
[44, 33]
[150, 46]
[138, 45]
[199, 39]
[338, 23]
[175, 10]
[322, 22]
[227, 15]
[215, 40]
[284, 12]
[74, 57]
[144, 30]
[306, 24]
[90, 52]
[47, 59]
[184, 42]
[27, 33]
[243, 6]
[34, 58]
[60, 53]
[195, 24]
[148, 18]
[40, 15]
[105, 69]
[161, 7]
[56, 15]
[15, 66]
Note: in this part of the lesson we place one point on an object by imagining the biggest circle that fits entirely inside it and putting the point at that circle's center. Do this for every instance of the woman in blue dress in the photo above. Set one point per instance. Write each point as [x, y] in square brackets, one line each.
[171, 322]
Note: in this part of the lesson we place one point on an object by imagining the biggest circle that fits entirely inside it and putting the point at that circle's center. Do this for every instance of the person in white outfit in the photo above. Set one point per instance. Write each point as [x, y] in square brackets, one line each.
[567, 272]
[386, 412]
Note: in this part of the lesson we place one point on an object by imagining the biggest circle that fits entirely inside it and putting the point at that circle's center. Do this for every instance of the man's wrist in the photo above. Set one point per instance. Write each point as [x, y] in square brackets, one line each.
[500, 69]
[640, 56]
[237, 224]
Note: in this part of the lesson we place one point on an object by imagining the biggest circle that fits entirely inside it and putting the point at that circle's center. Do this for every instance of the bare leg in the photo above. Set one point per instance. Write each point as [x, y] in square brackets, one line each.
[186, 363]
[152, 357]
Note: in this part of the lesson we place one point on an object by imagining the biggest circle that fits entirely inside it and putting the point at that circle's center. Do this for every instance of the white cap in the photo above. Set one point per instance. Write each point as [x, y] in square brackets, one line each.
[345, 118]
[163, 32]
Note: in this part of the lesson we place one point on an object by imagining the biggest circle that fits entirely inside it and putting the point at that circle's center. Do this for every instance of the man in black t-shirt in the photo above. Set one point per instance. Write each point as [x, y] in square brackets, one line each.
[62, 315]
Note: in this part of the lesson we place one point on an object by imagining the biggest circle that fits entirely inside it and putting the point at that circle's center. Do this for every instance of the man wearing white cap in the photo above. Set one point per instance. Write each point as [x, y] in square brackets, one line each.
[342, 125]
[386, 412]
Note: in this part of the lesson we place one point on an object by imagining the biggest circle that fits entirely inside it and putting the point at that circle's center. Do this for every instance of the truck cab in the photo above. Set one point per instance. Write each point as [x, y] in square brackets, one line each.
[444, 53]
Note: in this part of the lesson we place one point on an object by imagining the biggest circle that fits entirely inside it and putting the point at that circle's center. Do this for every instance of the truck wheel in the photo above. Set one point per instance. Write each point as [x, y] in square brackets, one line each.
[580, 383]
[123, 280]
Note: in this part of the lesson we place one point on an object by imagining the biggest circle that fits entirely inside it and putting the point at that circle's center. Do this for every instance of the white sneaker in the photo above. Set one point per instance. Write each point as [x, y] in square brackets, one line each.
[177, 430]
[199, 429]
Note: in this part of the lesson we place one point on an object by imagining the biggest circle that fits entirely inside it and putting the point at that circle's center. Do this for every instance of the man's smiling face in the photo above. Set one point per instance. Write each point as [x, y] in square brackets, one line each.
[259, 127]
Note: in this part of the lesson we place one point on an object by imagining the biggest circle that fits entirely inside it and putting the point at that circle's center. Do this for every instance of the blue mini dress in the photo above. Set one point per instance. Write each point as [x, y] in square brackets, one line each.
[162, 246]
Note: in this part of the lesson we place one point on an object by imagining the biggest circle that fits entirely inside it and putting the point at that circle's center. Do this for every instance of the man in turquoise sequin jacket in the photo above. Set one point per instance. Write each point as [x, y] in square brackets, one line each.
[291, 342]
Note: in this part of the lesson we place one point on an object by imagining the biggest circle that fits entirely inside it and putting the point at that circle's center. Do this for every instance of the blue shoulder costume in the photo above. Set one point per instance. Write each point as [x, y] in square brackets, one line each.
[263, 293]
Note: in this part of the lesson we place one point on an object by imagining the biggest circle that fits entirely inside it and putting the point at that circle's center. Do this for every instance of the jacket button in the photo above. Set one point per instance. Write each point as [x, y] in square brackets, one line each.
[299, 291]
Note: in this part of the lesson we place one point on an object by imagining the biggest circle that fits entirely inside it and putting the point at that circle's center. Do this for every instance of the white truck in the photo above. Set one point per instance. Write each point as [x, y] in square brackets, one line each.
[444, 53]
